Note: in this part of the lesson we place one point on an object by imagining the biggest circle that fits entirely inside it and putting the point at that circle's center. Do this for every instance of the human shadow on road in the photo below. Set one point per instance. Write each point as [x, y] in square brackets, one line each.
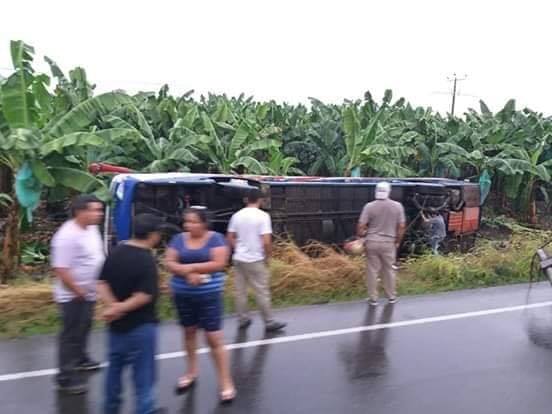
[188, 406]
[369, 357]
[71, 404]
[248, 377]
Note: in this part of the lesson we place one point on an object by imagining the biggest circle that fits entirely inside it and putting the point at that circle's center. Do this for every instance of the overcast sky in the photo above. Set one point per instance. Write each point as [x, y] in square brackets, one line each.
[289, 50]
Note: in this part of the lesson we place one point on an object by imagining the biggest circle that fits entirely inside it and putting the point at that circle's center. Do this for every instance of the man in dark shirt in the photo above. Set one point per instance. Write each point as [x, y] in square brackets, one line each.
[129, 288]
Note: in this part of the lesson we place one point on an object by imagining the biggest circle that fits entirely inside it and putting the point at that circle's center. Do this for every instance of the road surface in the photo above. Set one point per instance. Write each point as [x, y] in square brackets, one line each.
[478, 351]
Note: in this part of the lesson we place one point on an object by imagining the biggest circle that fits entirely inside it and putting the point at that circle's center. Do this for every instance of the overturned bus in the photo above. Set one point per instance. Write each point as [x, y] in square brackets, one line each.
[303, 208]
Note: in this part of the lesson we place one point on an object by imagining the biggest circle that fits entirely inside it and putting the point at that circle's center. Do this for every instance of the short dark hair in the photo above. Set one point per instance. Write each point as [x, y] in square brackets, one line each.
[199, 211]
[254, 195]
[81, 202]
[145, 224]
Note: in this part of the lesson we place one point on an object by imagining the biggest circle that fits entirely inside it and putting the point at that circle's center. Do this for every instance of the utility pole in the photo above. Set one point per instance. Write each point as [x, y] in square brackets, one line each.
[455, 79]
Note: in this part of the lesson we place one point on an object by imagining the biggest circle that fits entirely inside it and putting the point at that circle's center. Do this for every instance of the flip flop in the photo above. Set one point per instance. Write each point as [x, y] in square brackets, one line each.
[227, 396]
[184, 384]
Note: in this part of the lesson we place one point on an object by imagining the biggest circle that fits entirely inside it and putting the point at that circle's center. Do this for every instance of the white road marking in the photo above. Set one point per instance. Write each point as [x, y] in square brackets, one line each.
[312, 335]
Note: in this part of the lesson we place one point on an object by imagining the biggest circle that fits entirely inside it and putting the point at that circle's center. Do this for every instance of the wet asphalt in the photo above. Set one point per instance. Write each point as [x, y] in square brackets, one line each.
[491, 363]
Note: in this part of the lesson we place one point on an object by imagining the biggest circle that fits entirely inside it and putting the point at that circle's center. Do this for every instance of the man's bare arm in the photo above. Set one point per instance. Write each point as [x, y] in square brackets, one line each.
[363, 220]
[117, 310]
[136, 301]
[231, 238]
[267, 245]
[361, 229]
[400, 234]
[63, 274]
[105, 293]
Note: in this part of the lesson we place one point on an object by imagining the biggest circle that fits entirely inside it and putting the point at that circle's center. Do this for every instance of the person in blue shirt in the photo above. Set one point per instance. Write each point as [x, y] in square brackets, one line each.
[197, 259]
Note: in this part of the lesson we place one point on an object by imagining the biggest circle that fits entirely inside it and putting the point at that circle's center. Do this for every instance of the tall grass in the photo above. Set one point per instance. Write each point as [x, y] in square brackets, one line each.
[318, 274]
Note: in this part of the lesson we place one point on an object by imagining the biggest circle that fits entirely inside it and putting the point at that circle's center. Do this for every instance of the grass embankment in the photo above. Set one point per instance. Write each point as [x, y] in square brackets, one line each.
[301, 277]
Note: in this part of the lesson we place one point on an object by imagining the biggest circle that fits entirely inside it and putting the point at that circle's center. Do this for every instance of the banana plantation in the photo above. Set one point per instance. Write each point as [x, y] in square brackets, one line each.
[53, 126]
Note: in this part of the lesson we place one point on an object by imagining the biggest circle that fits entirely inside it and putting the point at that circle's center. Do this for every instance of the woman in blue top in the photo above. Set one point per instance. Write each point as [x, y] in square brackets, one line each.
[197, 259]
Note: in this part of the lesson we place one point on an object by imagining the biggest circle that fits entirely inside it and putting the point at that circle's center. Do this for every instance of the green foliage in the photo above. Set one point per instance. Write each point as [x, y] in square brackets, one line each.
[5, 200]
[56, 144]
[34, 253]
[492, 263]
[65, 126]
[58, 127]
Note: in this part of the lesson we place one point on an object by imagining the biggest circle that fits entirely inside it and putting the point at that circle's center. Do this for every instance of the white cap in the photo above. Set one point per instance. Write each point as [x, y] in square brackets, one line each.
[383, 190]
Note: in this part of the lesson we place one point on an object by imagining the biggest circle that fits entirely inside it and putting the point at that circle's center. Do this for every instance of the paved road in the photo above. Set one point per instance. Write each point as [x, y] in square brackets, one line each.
[480, 351]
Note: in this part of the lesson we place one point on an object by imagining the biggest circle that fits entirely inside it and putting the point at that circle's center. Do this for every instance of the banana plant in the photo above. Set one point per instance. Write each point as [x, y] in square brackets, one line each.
[387, 161]
[527, 169]
[233, 149]
[238, 153]
[34, 140]
[324, 132]
[69, 91]
[357, 138]
[279, 164]
[166, 155]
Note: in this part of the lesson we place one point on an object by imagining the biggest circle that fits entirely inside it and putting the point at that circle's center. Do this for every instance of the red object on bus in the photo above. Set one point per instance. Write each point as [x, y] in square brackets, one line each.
[465, 221]
[102, 167]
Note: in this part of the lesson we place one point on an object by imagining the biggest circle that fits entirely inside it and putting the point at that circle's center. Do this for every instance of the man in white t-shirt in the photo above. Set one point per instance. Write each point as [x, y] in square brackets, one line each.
[250, 235]
[77, 259]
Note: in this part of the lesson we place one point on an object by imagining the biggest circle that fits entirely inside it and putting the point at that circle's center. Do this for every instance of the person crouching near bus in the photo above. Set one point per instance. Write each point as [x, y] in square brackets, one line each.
[382, 224]
[436, 230]
[197, 258]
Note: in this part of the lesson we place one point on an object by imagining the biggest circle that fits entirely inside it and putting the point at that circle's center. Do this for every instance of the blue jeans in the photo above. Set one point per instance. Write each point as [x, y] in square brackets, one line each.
[135, 348]
[435, 242]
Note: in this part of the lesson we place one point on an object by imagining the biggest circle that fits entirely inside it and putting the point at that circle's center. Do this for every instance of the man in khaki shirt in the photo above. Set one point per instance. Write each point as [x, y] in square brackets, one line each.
[382, 224]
